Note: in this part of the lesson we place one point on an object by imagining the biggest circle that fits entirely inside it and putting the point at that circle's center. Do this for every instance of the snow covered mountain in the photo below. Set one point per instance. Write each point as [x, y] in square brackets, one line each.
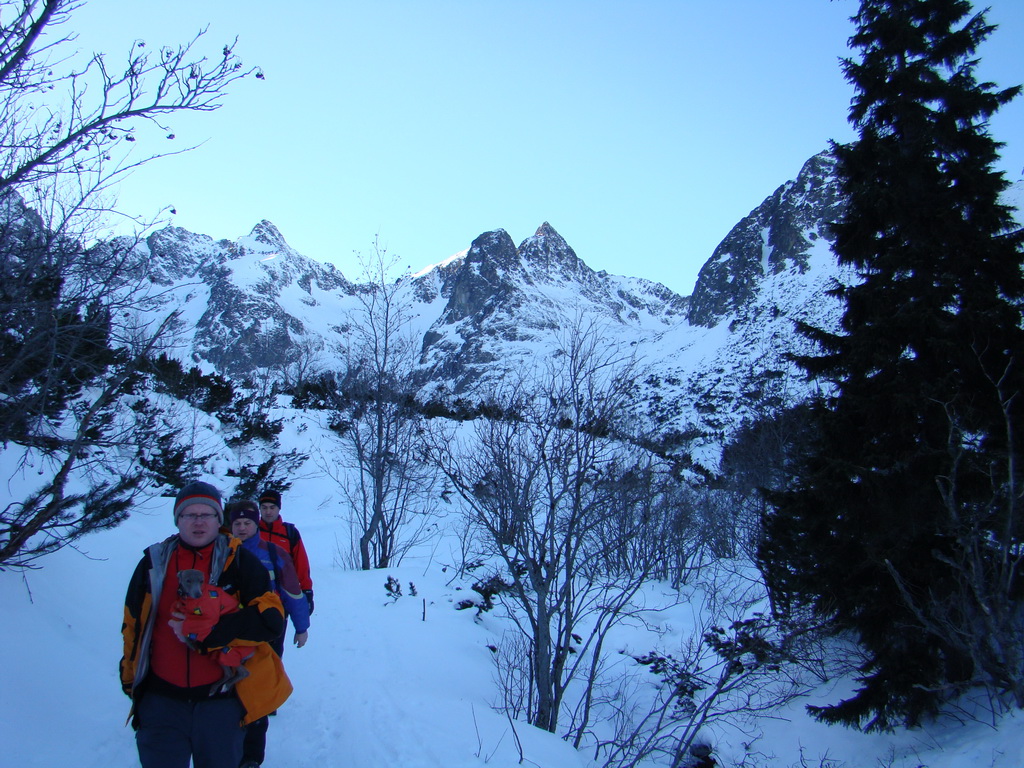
[710, 361]
[409, 681]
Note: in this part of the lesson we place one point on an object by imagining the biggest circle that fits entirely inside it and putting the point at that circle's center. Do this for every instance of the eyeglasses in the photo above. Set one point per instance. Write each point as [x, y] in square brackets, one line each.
[190, 516]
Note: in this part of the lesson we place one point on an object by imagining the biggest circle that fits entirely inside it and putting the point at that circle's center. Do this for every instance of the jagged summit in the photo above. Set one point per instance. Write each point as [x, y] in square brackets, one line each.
[549, 251]
[546, 232]
[494, 257]
[775, 236]
[265, 232]
[493, 251]
[497, 312]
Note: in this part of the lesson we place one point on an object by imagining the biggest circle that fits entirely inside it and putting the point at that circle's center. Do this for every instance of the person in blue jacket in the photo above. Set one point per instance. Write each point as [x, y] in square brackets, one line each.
[244, 517]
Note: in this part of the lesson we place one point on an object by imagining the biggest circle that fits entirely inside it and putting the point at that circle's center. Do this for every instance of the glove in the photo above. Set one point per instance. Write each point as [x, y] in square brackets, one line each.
[309, 599]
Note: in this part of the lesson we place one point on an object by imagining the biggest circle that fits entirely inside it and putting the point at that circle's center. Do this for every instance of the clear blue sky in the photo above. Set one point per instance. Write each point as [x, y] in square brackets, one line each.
[642, 131]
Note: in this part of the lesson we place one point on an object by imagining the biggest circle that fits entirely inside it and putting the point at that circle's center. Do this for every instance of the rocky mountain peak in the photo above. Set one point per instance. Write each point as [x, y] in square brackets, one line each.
[266, 233]
[546, 229]
[548, 251]
[494, 272]
[481, 276]
[493, 313]
[176, 254]
[492, 251]
[775, 236]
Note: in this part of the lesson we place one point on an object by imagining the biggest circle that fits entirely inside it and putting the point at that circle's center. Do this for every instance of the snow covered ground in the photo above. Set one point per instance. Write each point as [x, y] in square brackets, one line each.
[382, 683]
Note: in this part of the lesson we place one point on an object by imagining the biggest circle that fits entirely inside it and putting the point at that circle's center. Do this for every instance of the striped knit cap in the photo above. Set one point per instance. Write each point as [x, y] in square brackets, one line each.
[198, 493]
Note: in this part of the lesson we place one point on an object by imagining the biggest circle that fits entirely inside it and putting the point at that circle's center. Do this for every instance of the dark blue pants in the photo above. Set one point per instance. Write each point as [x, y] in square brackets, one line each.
[172, 731]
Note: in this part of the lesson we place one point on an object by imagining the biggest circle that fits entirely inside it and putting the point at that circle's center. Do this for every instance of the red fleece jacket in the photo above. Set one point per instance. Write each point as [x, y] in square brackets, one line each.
[172, 660]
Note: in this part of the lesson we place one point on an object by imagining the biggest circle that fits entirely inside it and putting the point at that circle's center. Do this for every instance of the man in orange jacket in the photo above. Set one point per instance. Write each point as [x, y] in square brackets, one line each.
[286, 536]
[170, 666]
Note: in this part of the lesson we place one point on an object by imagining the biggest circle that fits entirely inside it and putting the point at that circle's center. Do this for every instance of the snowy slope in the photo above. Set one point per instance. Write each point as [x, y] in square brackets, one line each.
[382, 683]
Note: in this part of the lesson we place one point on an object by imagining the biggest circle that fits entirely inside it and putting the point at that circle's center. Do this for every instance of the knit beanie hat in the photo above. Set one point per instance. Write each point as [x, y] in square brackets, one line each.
[271, 497]
[244, 509]
[198, 493]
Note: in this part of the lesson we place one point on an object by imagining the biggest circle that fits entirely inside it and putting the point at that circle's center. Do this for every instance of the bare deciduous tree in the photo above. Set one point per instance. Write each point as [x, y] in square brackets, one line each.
[739, 664]
[557, 497]
[60, 120]
[388, 488]
[77, 321]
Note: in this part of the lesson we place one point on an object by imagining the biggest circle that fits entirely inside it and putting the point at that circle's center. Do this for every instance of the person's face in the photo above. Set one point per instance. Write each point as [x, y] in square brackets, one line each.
[198, 525]
[243, 528]
[269, 512]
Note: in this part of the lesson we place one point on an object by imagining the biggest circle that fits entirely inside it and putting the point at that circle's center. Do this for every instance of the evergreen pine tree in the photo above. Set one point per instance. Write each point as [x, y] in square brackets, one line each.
[902, 525]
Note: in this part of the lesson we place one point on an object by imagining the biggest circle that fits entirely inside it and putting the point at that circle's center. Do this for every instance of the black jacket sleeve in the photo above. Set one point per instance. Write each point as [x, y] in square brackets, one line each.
[131, 625]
